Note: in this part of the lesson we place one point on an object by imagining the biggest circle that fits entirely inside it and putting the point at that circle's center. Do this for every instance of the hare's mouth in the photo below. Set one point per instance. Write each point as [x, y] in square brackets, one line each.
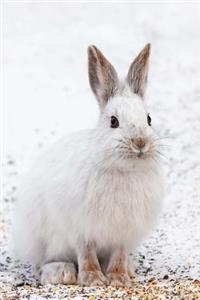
[129, 152]
[142, 154]
[133, 155]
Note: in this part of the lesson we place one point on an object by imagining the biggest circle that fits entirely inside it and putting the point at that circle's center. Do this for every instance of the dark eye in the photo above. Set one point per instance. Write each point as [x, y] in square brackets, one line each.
[114, 123]
[149, 120]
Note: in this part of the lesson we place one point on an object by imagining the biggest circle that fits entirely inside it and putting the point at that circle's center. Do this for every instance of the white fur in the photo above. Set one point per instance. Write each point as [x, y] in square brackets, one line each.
[81, 189]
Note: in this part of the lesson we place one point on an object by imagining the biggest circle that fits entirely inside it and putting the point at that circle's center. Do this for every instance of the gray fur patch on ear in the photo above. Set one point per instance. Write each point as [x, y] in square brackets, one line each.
[92, 69]
[102, 76]
[138, 72]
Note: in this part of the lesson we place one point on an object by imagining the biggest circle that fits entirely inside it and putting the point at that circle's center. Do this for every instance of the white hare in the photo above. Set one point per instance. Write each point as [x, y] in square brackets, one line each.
[93, 196]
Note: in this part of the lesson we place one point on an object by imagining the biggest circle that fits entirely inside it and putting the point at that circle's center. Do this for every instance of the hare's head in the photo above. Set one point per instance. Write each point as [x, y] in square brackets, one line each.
[125, 129]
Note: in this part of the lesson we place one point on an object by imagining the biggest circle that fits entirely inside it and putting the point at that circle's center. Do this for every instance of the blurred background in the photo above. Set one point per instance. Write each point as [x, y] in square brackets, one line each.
[47, 94]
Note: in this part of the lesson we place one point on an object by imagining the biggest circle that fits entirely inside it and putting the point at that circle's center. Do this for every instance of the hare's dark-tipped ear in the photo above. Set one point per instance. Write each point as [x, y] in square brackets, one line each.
[138, 72]
[102, 76]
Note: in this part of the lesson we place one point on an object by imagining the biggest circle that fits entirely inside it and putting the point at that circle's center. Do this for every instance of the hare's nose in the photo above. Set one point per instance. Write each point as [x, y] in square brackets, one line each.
[139, 143]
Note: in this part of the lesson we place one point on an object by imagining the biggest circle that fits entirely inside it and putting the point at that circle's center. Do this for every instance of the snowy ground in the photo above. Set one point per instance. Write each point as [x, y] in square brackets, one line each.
[46, 93]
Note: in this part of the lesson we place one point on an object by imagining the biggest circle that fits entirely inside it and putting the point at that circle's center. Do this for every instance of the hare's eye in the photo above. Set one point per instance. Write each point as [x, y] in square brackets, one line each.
[149, 120]
[114, 123]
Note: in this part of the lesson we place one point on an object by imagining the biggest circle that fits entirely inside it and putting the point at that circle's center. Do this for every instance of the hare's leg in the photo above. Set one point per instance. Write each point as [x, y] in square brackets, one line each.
[90, 273]
[118, 271]
[58, 272]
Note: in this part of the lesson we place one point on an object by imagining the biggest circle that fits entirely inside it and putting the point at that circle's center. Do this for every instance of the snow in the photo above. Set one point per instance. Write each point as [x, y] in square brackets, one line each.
[46, 94]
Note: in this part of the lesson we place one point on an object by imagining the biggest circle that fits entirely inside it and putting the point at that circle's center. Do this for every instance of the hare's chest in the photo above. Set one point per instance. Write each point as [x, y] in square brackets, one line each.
[122, 205]
[124, 191]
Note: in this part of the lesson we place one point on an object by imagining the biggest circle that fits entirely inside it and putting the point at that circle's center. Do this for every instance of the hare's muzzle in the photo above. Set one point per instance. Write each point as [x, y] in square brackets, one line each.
[140, 146]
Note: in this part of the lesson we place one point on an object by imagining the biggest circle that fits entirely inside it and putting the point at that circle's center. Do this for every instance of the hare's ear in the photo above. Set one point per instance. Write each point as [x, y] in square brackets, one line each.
[102, 76]
[138, 72]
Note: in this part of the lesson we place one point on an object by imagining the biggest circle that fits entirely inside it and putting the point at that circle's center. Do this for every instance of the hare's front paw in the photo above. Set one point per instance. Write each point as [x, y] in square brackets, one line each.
[90, 273]
[119, 279]
[58, 273]
[92, 278]
[119, 271]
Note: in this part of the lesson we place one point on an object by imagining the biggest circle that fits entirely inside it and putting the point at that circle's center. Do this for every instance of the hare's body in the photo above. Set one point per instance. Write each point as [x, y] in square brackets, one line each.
[61, 205]
[93, 196]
